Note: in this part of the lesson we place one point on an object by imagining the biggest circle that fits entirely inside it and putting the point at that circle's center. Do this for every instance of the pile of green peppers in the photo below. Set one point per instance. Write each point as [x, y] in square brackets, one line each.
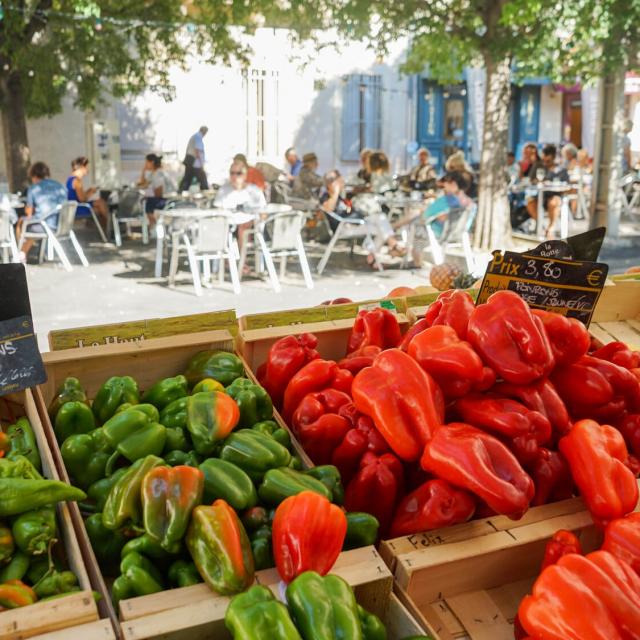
[214, 419]
[318, 608]
[30, 570]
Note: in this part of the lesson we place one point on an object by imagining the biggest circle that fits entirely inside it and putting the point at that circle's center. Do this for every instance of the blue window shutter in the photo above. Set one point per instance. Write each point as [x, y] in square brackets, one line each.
[372, 109]
[351, 119]
[529, 113]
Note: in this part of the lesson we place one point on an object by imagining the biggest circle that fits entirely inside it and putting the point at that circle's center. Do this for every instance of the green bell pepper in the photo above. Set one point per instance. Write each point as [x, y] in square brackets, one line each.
[107, 544]
[19, 495]
[23, 442]
[254, 401]
[99, 490]
[7, 544]
[257, 615]
[254, 518]
[371, 625]
[208, 384]
[254, 452]
[123, 502]
[324, 608]
[73, 418]
[139, 577]
[222, 366]
[39, 567]
[19, 467]
[174, 458]
[296, 463]
[150, 548]
[56, 582]
[362, 530]
[16, 569]
[330, 477]
[85, 457]
[211, 416]
[273, 429]
[164, 392]
[174, 415]
[134, 434]
[177, 440]
[183, 573]
[34, 530]
[114, 392]
[70, 391]
[282, 483]
[225, 480]
[261, 548]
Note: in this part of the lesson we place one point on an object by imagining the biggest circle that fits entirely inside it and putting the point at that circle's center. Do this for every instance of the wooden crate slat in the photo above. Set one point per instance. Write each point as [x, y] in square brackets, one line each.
[601, 334]
[480, 616]
[27, 622]
[98, 630]
[622, 332]
[400, 622]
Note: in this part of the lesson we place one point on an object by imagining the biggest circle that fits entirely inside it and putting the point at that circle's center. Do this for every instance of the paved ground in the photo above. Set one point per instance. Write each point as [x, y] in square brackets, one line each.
[119, 286]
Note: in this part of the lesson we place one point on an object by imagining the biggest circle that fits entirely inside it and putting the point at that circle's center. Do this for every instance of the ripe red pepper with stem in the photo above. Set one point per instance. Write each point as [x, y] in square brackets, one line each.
[569, 337]
[619, 353]
[622, 539]
[375, 327]
[452, 308]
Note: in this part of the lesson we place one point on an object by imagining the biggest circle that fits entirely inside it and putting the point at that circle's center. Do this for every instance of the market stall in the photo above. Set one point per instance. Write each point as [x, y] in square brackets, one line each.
[417, 466]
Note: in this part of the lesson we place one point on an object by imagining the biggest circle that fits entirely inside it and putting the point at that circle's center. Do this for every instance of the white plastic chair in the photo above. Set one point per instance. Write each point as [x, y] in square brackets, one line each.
[8, 243]
[630, 193]
[211, 240]
[50, 240]
[131, 213]
[92, 213]
[284, 231]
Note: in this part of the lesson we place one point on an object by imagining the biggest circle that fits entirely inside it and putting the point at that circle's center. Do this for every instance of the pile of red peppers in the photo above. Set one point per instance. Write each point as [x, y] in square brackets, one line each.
[473, 411]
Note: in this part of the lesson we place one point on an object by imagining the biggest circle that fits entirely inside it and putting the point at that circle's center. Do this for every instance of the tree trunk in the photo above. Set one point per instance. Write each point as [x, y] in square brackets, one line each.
[493, 223]
[14, 132]
[607, 171]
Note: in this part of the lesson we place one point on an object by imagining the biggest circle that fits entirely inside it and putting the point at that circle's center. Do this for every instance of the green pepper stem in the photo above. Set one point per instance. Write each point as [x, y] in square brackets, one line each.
[113, 458]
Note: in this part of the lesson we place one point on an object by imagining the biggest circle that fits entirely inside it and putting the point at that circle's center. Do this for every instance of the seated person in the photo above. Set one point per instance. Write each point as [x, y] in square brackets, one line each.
[380, 179]
[44, 199]
[364, 173]
[86, 198]
[423, 175]
[237, 194]
[254, 175]
[456, 163]
[513, 170]
[292, 164]
[156, 184]
[551, 200]
[307, 183]
[530, 157]
[454, 185]
[378, 225]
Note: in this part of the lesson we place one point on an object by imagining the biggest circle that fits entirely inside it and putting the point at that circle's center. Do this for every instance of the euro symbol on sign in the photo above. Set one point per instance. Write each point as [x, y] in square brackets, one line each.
[594, 277]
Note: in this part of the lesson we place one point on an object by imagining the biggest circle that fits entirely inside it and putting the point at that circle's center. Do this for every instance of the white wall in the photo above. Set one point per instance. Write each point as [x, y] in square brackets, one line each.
[550, 129]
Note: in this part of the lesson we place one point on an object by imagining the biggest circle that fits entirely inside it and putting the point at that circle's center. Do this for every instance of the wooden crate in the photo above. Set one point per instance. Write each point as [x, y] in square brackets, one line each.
[147, 361]
[62, 617]
[196, 613]
[617, 316]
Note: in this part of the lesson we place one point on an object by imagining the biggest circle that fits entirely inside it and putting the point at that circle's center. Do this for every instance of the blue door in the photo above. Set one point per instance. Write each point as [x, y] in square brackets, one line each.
[442, 119]
[525, 117]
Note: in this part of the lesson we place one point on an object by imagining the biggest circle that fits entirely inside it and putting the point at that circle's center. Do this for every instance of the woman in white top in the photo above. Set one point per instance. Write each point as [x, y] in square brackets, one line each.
[156, 184]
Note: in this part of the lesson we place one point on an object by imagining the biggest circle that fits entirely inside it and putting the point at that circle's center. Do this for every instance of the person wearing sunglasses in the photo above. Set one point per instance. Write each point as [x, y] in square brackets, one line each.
[237, 194]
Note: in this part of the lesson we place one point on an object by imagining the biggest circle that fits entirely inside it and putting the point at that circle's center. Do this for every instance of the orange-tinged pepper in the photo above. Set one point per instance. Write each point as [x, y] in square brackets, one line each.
[15, 593]
[622, 538]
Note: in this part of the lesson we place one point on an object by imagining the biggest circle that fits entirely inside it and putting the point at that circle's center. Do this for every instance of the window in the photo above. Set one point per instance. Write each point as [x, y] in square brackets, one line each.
[261, 96]
[361, 114]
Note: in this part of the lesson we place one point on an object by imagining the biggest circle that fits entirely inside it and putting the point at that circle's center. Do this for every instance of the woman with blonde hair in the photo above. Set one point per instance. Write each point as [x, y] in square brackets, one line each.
[456, 162]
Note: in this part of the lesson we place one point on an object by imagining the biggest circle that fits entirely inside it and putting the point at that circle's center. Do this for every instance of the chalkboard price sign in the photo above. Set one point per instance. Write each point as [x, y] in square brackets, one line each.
[20, 362]
[565, 286]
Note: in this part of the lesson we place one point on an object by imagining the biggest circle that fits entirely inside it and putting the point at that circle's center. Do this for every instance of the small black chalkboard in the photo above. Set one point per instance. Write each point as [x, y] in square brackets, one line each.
[547, 278]
[20, 362]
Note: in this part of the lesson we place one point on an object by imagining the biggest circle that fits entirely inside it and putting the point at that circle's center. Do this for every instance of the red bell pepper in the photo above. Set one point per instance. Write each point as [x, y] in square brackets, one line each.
[452, 362]
[597, 389]
[593, 597]
[316, 375]
[562, 543]
[622, 538]
[596, 455]
[361, 437]
[522, 429]
[476, 461]
[618, 353]
[307, 535]
[452, 308]
[405, 403]
[510, 339]
[629, 427]
[286, 357]
[376, 488]
[376, 327]
[551, 476]
[539, 396]
[569, 338]
[360, 359]
[317, 424]
[433, 505]
[414, 330]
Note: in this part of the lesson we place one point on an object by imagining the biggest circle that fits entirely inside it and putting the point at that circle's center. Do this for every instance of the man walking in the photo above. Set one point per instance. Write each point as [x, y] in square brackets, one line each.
[194, 161]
